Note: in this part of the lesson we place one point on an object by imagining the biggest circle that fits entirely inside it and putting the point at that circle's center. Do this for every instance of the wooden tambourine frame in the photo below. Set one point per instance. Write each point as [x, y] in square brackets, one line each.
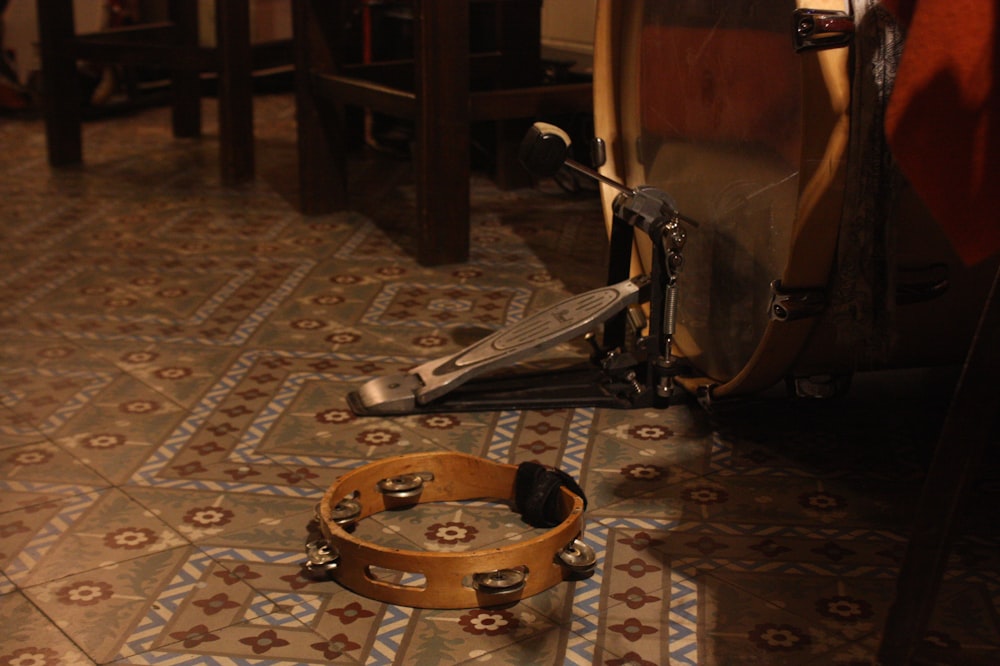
[470, 579]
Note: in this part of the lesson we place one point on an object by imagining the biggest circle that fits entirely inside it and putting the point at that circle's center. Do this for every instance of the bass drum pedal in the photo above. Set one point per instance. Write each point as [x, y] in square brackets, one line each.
[625, 372]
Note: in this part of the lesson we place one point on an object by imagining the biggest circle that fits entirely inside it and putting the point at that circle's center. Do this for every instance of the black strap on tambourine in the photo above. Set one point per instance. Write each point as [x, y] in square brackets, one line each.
[536, 493]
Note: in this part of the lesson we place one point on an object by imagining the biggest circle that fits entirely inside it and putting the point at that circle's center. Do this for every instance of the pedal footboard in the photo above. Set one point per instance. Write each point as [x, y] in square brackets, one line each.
[565, 320]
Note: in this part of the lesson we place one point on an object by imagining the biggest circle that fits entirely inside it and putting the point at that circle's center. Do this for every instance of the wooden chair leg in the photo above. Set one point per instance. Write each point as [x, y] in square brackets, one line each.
[62, 98]
[320, 124]
[510, 174]
[236, 153]
[519, 27]
[961, 447]
[442, 125]
[185, 84]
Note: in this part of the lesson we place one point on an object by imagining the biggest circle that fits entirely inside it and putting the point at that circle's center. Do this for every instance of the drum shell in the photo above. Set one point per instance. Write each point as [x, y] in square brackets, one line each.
[929, 332]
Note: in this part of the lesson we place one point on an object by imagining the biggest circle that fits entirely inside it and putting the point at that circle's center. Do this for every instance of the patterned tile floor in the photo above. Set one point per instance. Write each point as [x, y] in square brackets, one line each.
[175, 360]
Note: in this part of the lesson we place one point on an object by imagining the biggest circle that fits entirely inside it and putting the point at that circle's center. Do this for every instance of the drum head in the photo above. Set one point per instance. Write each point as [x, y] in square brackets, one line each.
[709, 108]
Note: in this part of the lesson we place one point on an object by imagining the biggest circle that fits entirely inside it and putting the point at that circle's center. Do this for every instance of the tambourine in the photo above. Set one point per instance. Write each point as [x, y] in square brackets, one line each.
[468, 579]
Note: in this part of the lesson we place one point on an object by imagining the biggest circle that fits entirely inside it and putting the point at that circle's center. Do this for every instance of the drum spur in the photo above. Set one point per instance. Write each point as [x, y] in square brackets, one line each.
[626, 369]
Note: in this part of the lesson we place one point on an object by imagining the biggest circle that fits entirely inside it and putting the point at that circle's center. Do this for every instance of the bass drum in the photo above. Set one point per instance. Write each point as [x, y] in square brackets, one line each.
[760, 144]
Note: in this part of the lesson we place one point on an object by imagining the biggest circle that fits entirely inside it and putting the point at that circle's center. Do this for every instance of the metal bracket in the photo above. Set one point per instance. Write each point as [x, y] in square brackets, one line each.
[704, 395]
[818, 29]
[795, 304]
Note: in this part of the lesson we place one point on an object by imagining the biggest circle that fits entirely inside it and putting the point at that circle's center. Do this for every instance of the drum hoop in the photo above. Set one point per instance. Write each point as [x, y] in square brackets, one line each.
[448, 477]
[817, 220]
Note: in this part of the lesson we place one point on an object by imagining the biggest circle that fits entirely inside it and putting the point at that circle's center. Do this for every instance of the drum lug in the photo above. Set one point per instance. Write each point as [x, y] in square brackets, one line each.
[794, 304]
[921, 284]
[819, 387]
[818, 29]
[705, 397]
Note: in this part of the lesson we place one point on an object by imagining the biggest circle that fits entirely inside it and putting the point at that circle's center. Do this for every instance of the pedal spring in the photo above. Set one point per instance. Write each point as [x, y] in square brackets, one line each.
[670, 310]
[633, 380]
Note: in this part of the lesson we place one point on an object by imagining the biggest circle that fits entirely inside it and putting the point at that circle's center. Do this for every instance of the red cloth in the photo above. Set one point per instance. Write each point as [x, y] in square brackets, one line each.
[943, 120]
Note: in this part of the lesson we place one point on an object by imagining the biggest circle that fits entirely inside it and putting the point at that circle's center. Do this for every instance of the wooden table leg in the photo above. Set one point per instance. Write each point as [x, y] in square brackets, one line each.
[519, 26]
[61, 96]
[320, 123]
[185, 84]
[236, 153]
[442, 160]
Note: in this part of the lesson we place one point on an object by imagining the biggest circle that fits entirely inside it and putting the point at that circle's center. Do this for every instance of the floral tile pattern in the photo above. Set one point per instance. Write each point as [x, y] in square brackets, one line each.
[175, 358]
[32, 638]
